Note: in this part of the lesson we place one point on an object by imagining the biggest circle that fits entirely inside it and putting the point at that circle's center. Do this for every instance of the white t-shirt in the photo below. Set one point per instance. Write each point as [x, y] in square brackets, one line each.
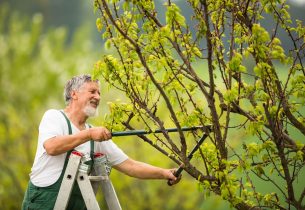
[47, 169]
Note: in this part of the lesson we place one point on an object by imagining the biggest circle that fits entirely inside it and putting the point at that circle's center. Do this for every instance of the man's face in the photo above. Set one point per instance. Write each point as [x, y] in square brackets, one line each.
[89, 98]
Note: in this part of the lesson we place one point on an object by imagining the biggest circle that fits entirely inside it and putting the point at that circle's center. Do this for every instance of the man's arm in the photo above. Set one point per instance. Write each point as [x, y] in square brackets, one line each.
[145, 171]
[61, 144]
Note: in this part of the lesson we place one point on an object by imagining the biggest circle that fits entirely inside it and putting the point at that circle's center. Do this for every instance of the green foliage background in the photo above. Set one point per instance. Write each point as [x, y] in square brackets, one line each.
[34, 66]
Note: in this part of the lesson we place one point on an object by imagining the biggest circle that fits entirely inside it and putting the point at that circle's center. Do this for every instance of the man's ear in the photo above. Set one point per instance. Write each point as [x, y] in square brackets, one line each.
[74, 94]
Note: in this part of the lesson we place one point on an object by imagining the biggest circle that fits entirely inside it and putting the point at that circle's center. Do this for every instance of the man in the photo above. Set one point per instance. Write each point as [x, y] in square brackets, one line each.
[61, 131]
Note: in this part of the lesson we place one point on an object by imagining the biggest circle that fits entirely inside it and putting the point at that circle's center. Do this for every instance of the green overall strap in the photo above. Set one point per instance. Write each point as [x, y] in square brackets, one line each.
[70, 132]
[91, 151]
[68, 122]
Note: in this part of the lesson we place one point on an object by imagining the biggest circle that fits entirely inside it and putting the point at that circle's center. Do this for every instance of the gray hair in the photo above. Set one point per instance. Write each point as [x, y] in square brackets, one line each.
[75, 84]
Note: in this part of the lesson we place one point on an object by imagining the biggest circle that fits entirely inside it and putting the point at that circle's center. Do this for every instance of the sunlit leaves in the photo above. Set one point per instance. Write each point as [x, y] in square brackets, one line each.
[99, 24]
[173, 16]
[253, 149]
[300, 29]
[231, 95]
[258, 41]
[297, 87]
[235, 64]
[119, 112]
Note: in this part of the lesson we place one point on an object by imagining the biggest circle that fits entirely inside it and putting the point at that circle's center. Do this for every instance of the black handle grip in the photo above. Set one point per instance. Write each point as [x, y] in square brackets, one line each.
[176, 174]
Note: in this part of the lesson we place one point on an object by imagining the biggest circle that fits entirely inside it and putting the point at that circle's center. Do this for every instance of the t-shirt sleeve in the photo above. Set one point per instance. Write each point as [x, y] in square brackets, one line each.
[114, 154]
[51, 125]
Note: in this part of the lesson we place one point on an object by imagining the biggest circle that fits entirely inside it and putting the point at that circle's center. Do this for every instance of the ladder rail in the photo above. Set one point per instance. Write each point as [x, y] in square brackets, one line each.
[76, 171]
[87, 192]
[109, 193]
[67, 183]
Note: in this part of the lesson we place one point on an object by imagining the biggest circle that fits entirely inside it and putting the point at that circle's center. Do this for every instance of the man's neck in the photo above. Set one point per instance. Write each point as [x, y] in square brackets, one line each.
[77, 117]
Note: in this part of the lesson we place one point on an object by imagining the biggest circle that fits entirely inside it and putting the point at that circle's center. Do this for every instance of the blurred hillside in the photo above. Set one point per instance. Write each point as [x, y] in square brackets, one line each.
[80, 12]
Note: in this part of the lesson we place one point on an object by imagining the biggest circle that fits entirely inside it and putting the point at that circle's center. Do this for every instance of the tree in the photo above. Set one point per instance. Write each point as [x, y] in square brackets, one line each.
[178, 73]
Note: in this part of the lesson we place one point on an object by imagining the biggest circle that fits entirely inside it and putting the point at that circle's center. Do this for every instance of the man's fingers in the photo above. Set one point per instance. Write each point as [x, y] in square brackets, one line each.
[108, 134]
[177, 177]
[171, 182]
[100, 134]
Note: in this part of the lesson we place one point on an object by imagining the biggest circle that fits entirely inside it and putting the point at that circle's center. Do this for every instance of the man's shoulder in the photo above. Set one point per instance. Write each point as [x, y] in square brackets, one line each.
[53, 113]
[52, 117]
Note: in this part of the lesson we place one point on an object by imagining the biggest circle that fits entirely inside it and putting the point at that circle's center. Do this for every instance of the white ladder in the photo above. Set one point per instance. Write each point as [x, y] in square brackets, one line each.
[77, 169]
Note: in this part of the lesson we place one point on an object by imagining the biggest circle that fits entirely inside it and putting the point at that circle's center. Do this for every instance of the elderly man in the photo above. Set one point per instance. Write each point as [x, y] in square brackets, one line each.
[61, 131]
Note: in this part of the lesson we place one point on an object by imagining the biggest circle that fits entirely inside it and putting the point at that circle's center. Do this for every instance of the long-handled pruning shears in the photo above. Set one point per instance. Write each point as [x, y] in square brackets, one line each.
[144, 132]
[207, 130]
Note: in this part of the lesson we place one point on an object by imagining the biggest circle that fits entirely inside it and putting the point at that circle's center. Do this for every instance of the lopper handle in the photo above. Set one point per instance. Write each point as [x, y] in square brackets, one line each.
[144, 132]
[180, 169]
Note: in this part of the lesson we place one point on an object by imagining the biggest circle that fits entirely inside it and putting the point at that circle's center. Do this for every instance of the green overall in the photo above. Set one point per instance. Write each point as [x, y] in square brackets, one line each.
[44, 198]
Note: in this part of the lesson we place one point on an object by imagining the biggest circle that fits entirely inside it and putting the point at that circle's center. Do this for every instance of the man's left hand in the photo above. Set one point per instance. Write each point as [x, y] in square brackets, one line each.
[173, 179]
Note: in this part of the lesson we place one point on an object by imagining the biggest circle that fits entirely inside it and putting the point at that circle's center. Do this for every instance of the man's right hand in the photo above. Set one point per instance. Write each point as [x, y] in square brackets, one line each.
[99, 134]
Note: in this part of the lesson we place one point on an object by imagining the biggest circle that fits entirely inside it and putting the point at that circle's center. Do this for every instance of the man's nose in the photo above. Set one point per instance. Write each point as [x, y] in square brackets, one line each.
[97, 96]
